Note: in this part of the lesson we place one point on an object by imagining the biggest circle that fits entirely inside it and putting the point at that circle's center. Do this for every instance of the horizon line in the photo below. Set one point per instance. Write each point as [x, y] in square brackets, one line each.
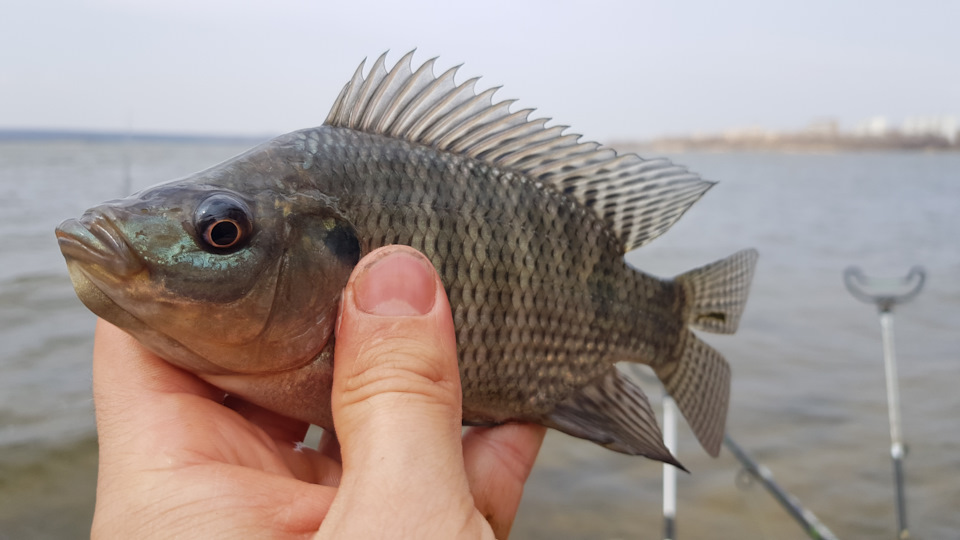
[37, 134]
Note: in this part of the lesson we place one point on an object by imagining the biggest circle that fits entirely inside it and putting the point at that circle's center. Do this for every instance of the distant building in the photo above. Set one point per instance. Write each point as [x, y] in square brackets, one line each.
[938, 126]
[924, 133]
[876, 126]
[824, 127]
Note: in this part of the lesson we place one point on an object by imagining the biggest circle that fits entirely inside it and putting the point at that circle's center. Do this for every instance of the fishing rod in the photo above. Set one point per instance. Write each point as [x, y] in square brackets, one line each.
[805, 518]
[814, 528]
[909, 287]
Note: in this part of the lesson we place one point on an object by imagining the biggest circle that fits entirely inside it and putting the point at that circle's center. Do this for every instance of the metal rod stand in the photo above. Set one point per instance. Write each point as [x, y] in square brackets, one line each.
[669, 471]
[897, 449]
[811, 525]
[857, 284]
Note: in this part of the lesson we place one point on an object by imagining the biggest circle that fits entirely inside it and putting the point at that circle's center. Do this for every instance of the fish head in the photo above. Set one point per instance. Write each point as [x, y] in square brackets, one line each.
[213, 275]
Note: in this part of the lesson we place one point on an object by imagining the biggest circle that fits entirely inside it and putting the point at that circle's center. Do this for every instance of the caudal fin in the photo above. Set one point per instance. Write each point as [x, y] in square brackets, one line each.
[699, 379]
[717, 292]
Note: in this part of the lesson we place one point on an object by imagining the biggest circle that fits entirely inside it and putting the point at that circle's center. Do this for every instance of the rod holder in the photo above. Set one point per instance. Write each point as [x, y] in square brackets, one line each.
[885, 295]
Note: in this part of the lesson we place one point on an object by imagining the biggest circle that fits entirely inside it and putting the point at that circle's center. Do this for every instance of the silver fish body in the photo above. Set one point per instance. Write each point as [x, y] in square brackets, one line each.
[235, 272]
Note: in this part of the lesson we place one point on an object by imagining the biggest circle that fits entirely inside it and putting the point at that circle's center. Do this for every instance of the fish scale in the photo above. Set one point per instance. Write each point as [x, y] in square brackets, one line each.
[526, 225]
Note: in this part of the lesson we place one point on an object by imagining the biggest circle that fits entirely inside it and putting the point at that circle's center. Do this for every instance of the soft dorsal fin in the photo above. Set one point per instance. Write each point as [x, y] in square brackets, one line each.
[640, 199]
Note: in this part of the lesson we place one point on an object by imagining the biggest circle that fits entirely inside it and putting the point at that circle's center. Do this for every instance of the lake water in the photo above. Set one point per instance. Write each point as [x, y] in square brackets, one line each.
[808, 389]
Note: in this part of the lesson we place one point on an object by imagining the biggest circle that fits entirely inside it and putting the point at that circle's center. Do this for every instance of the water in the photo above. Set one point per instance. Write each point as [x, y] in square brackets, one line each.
[808, 389]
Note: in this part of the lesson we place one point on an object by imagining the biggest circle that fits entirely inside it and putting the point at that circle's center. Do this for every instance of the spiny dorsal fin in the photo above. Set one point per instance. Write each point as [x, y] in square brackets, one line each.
[640, 199]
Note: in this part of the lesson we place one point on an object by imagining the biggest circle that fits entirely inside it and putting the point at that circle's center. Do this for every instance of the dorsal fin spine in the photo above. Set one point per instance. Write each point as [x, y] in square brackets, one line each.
[531, 130]
[498, 139]
[546, 137]
[465, 115]
[346, 97]
[370, 84]
[382, 102]
[420, 103]
[638, 199]
[587, 170]
[556, 154]
[406, 97]
[542, 150]
[475, 126]
[454, 98]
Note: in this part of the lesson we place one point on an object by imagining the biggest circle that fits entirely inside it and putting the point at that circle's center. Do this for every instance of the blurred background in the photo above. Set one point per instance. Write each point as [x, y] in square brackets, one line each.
[831, 127]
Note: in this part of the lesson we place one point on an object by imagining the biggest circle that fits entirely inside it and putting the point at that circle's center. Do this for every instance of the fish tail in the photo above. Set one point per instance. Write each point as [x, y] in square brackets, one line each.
[717, 292]
[699, 382]
[698, 378]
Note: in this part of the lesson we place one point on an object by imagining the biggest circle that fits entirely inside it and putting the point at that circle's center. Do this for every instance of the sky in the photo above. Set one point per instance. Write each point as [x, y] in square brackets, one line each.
[611, 70]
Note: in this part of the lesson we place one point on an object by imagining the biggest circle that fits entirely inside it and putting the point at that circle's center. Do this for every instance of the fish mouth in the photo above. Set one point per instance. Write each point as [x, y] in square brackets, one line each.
[94, 241]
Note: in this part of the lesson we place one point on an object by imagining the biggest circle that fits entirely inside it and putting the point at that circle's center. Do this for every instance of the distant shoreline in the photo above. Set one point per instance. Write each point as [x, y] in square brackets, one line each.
[780, 143]
[39, 135]
[796, 143]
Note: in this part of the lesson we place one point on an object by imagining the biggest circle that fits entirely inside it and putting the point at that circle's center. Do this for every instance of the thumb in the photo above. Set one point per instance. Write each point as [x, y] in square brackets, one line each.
[396, 392]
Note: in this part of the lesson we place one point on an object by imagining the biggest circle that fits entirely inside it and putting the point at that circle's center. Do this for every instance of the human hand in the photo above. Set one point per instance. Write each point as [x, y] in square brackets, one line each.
[180, 459]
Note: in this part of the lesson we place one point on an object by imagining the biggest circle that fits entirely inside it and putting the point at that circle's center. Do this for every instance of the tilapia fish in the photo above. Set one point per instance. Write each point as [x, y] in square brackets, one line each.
[235, 273]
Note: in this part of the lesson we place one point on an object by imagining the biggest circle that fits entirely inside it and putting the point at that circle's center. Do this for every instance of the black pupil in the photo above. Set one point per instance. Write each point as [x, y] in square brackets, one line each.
[223, 223]
[224, 233]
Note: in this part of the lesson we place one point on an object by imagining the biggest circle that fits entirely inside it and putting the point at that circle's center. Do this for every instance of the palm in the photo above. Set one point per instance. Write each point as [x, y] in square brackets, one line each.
[177, 459]
[219, 467]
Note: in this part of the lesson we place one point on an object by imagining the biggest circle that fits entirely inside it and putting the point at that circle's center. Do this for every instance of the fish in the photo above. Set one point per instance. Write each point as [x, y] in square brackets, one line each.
[235, 273]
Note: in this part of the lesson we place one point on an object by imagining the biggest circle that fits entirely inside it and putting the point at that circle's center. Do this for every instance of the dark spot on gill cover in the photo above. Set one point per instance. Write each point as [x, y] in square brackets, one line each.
[343, 243]
[722, 317]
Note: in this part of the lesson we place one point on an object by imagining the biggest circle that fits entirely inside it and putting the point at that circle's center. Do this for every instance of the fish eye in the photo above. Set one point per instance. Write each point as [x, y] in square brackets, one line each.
[223, 223]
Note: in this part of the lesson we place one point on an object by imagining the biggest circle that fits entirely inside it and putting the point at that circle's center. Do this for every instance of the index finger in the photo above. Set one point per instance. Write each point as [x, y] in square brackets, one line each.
[498, 461]
[128, 378]
[130, 385]
[126, 374]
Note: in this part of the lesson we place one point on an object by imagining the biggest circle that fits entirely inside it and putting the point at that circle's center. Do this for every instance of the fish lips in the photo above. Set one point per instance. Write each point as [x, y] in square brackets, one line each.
[96, 243]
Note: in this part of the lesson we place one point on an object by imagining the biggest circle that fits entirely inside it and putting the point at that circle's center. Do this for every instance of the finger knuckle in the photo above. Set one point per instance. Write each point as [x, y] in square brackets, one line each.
[400, 365]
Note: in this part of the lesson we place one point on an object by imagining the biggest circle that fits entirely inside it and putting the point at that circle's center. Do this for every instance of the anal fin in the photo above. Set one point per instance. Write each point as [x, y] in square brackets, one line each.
[613, 412]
